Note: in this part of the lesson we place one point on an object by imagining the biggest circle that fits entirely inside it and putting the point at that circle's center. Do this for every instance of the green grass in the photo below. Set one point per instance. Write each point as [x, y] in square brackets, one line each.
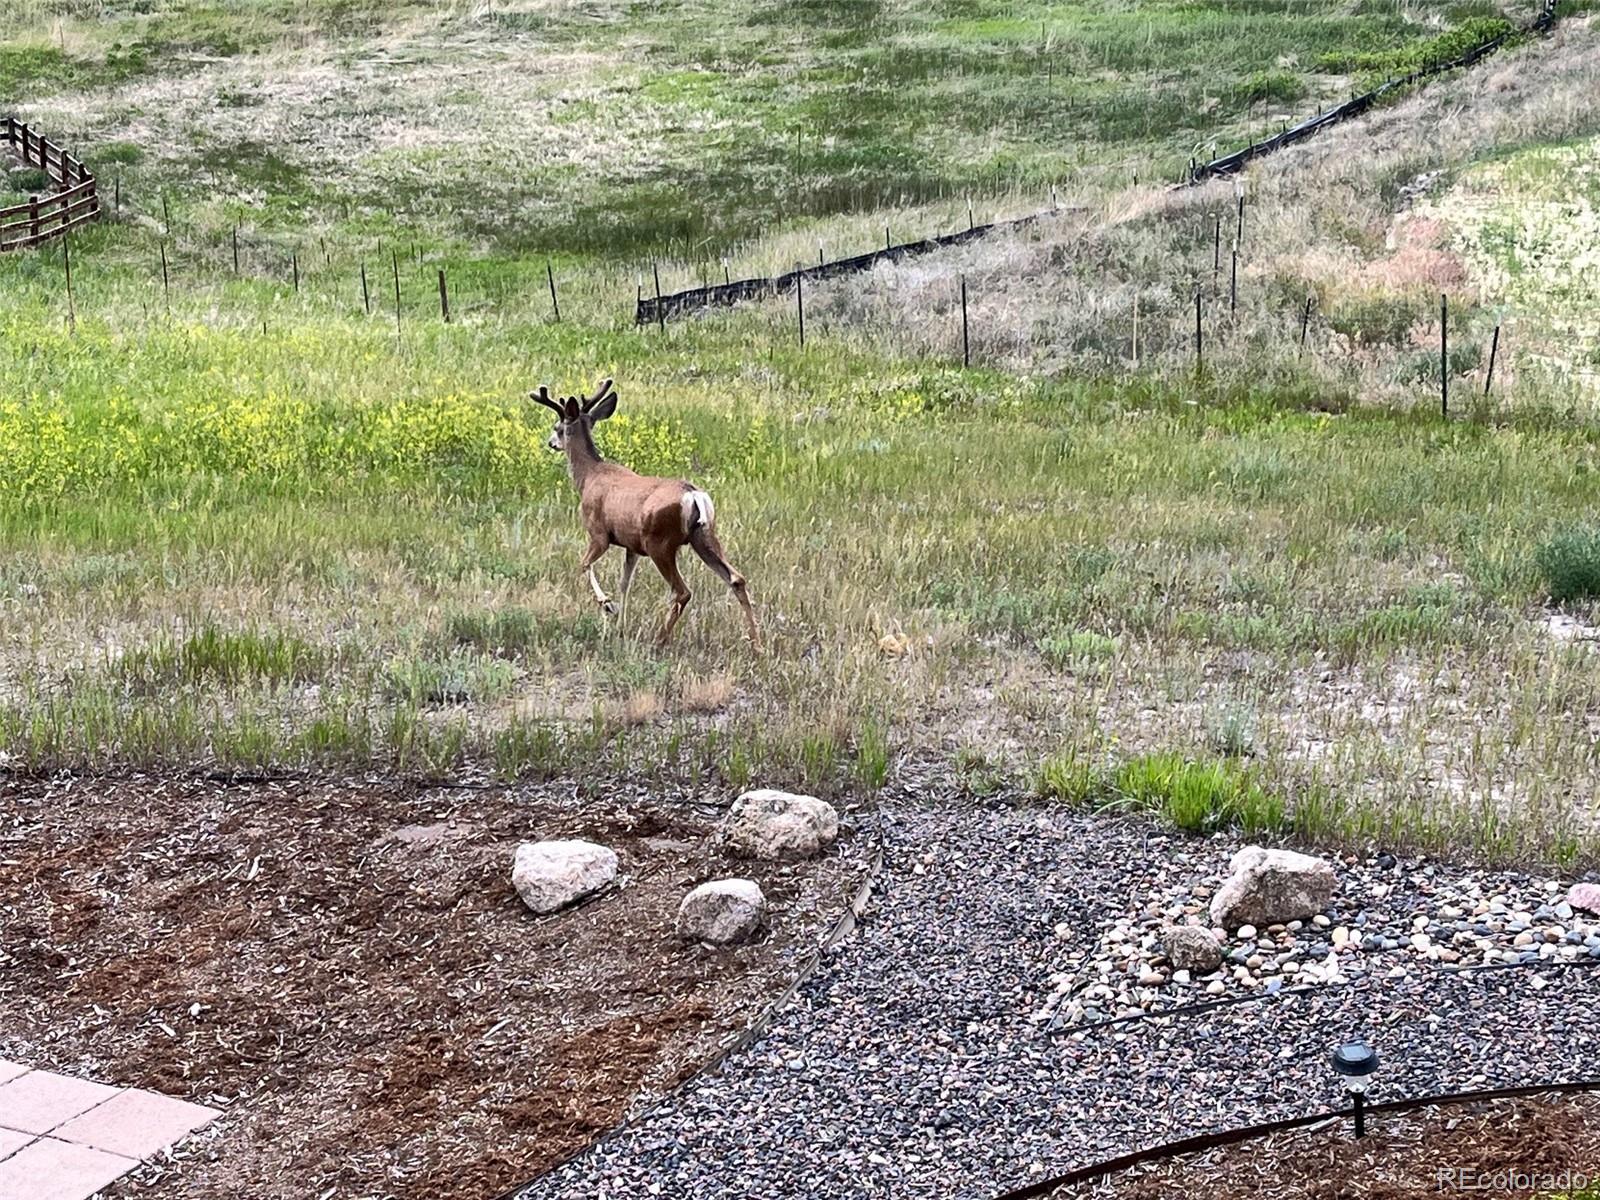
[1194, 796]
[1375, 67]
[256, 527]
[215, 656]
[691, 128]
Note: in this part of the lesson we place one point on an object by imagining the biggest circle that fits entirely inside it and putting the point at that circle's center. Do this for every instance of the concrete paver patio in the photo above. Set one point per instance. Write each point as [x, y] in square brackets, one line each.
[63, 1138]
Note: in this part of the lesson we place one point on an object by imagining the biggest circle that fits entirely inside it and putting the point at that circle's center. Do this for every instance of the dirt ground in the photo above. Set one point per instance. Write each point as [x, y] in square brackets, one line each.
[347, 972]
[1525, 1148]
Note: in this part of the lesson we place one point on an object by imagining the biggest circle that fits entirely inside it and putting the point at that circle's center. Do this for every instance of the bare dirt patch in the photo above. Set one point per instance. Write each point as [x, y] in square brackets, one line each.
[346, 970]
[1500, 1148]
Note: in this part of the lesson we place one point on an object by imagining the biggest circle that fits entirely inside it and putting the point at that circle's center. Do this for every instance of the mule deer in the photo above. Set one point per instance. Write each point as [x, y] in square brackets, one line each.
[647, 516]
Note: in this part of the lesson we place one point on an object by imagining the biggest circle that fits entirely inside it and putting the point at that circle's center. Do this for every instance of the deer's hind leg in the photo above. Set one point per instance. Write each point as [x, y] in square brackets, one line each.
[595, 551]
[628, 565]
[705, 544]
[667, 563]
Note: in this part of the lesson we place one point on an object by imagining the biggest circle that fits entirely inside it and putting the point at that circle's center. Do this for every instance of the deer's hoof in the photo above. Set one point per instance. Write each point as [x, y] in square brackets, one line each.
[609, 607]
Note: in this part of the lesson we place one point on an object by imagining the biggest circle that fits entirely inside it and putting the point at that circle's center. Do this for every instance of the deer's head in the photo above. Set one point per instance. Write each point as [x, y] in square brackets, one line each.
[576, 418]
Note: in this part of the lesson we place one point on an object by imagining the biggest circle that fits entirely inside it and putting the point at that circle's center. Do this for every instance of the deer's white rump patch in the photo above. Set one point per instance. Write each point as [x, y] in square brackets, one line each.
[698, 510]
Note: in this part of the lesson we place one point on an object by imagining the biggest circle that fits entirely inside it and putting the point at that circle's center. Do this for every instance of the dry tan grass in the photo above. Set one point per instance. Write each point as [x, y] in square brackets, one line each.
[642, 707]
[707, 693]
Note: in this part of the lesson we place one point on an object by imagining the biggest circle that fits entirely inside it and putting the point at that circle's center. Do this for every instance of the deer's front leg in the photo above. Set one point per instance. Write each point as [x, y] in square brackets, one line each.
[597, 548]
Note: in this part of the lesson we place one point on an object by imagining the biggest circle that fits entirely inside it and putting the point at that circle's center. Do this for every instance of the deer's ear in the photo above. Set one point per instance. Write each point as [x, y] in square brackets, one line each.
[605, 408]
[571, 410]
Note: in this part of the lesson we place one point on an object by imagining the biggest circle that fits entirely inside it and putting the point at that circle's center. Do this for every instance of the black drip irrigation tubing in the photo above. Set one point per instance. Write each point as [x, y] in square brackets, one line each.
[655, 309]
[1228, 164]
[810, 965]
[1230, 1137]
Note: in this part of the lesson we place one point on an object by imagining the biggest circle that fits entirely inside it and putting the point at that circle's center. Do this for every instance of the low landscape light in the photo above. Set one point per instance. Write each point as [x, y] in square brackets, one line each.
[1356, 1063]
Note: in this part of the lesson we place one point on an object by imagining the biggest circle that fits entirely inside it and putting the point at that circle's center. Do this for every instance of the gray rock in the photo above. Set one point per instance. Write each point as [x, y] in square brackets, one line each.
[1191, 948]
[721, 912]
[551, 875]
[778, 826]
[1272, 886]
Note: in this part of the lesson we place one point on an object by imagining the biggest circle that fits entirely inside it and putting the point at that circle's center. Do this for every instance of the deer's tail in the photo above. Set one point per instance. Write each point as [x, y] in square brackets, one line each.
[698, 511]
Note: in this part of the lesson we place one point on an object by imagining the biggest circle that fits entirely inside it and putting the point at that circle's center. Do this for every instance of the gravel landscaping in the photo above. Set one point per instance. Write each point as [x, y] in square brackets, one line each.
[921, 1060]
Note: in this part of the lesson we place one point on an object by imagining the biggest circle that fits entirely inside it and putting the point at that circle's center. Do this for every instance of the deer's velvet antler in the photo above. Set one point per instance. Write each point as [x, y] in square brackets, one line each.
[543, 397]
[599, 395]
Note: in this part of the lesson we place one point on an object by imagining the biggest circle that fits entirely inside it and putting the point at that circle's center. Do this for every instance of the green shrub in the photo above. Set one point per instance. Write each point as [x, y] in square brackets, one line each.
[1062, 650]
[1570, 564]
[1381, 318]
[1232, 731]
[457, 678]
[27, 181]
[979, 773]
[1375, 67]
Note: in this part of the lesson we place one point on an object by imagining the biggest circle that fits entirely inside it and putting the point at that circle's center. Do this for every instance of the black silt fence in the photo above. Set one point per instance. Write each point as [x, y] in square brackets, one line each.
[674, 304]
[1228, 164]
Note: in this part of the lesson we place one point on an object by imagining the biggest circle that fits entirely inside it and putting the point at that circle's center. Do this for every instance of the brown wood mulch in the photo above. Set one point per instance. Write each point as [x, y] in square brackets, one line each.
[347, 972]
[1517, 1148]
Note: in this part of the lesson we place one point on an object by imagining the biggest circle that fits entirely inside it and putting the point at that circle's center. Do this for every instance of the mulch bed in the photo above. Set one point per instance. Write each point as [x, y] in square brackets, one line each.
[346, 970]
[1522, 1148]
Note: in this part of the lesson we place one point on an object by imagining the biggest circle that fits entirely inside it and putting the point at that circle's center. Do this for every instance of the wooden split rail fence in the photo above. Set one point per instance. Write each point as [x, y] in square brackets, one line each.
[75, 200]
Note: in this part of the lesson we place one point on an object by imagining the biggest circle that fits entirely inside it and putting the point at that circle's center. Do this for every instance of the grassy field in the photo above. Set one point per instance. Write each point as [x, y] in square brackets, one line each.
[249, 524]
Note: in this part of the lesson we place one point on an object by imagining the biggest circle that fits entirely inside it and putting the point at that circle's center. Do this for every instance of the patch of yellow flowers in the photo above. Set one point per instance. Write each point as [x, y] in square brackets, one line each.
[49, 447]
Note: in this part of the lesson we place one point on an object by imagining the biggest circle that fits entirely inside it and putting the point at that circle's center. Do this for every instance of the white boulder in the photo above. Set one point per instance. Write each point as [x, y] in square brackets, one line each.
[551, 875]
[1271, 887]
[778, 826]
[721, 912]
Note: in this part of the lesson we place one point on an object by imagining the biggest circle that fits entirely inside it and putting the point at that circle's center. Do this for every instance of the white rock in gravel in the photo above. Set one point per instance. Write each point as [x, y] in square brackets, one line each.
[721, 912]
[1191, 948]
[1269, 886]
[1585, 896]
[551, 875]
[772, 826]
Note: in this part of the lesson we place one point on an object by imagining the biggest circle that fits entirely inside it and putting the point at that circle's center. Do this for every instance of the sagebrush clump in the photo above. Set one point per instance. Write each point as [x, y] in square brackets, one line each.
[1570, 564]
